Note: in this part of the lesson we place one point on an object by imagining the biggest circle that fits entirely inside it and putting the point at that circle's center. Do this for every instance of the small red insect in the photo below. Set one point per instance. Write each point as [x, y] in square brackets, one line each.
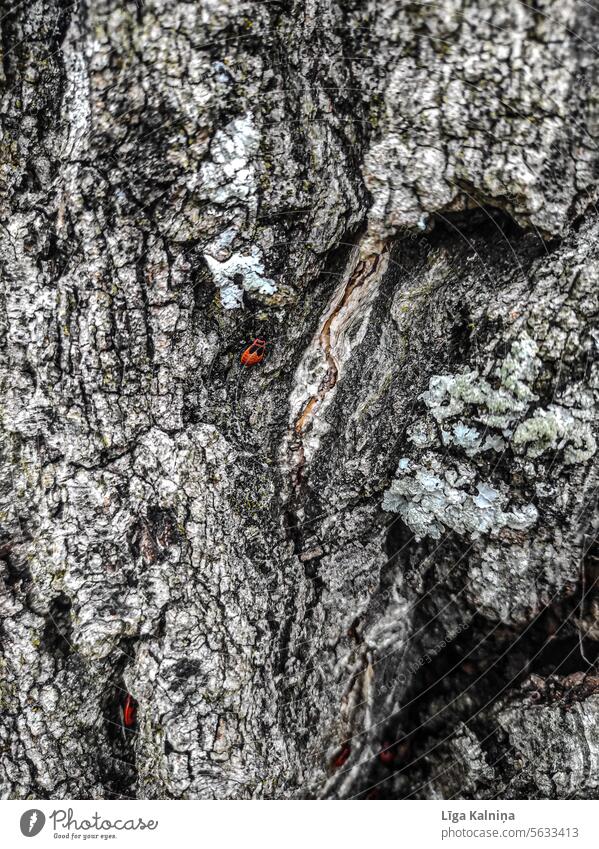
[254, 354]
[391, 753]
[341, 757]
[129, 711]
[387, 754]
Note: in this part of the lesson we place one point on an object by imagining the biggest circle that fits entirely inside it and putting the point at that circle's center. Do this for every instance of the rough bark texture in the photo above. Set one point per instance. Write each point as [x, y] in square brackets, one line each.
[366, 566]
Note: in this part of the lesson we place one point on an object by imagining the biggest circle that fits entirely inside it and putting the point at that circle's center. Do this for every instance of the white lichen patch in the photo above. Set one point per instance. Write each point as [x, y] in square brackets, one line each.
[470, 439]
[432, 501]
[239, 273]
[230, 175]
[422, 434]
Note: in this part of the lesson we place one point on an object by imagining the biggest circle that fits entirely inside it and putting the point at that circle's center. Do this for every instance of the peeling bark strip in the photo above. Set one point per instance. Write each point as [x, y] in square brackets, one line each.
[346, 305]
[342, 329]
[220, 582]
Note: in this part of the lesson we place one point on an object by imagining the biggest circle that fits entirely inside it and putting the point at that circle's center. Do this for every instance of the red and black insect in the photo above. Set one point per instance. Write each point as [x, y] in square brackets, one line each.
[388, 754]
[254, 354]
[129, 712]
[391, 753]
[341, 757]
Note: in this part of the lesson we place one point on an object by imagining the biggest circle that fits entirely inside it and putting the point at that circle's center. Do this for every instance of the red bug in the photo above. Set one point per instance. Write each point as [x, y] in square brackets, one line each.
[254, 353]
[387, 754]
[341, 757]
[129, 711]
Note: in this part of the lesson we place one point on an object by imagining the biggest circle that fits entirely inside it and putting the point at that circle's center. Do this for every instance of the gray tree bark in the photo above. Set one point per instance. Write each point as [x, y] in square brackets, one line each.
[367, 565]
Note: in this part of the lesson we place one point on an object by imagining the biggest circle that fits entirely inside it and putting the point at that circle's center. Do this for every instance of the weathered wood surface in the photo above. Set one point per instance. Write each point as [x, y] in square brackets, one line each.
[381, 532]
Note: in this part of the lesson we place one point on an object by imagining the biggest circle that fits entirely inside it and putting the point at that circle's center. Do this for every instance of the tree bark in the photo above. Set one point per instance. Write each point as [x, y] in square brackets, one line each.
[365, 566]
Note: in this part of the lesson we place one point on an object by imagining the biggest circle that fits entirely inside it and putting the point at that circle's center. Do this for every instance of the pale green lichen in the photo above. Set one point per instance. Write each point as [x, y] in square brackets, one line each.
[432, 501]
[556, 428]
[431, 498]
[449, 395]
[504, 405]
